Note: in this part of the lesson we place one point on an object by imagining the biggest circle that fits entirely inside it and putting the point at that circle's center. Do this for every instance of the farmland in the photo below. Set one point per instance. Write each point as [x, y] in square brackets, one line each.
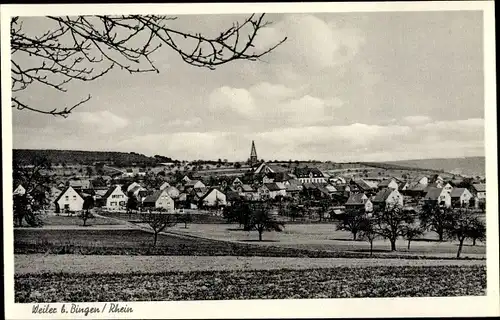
[340, 282]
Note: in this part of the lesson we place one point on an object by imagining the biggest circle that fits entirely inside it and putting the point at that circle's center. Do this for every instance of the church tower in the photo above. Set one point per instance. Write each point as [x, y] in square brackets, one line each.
[253, 155]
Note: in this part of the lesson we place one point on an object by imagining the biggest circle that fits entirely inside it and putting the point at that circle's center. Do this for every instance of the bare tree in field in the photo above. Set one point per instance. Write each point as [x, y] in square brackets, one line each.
[352, 221]
[391, 223]
[159, 221]
[260, 219]
[464, 225]
[27, 206]
[85, 48]
[368, 232]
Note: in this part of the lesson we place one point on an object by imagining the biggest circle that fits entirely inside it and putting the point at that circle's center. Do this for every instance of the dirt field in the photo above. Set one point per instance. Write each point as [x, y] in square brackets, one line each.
[339, 282]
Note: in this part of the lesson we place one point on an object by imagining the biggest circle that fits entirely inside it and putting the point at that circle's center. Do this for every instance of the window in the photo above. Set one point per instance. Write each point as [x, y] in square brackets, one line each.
[67, 197]
[112, 203]
[74, 197]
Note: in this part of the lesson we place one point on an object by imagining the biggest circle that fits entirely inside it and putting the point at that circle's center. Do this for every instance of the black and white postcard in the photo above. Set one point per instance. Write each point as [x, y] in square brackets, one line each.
[249, 160]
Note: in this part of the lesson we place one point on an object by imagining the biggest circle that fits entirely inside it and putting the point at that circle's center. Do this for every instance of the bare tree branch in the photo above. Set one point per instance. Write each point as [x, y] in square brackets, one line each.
[85, 48]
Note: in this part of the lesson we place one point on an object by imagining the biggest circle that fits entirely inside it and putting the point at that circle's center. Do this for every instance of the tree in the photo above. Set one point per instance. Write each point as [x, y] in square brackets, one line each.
[27, 207]
[88, 203]
[132, 203]
[435, 218]
[461, 226]
[411, 232]
[391, 222]
[185, 218]
[368, 232]
[158, 221]
[260, 219]
[478, 231]
[85, 48]
[89, 171]
[352, 221]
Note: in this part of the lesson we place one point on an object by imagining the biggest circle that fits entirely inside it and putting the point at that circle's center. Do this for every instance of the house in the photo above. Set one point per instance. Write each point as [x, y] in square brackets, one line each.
[133, 185]
[80, 184]
[69, 200]
[271, 191]
[310, 175]
[269, 168]
[479, 190]
[128, 173]
[416, 190]
[141, 195]
[159, 200]
[194, 184]
[173, 192]
[186, 179]
[338, 180]
[388, 183]
[247, 191]
[19, 190]
[448, 187]
[237, 182]
[213, 198]
[438, 196]
[115, 199]
[387, 198]
[420, 180]
[135, 191]
[363, 185]
[164, 185]
[460, 197]
[357, 201]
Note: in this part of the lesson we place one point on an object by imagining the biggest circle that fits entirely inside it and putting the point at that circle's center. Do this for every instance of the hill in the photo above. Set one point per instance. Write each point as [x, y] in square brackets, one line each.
[72, 157]
[470, 166]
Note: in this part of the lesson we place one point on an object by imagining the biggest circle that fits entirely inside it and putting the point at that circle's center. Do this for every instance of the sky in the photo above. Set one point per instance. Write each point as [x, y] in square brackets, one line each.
[377, 86]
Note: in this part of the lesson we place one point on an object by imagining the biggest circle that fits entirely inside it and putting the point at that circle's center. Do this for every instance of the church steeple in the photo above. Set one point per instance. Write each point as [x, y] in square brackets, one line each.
[253, 155]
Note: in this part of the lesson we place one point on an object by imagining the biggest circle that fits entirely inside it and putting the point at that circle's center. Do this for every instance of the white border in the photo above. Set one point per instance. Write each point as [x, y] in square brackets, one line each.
[317, 308]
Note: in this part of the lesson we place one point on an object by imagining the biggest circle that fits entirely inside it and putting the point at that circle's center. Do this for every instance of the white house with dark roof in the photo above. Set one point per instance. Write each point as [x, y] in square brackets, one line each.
[310, 175]
[438, 196]
[387, 198]
[357, 201]
[213, 198]
[195, 184]
[159, 199]
[479, 189]
[388, 183]
[115, 199]
[69, 200]
[460, 197]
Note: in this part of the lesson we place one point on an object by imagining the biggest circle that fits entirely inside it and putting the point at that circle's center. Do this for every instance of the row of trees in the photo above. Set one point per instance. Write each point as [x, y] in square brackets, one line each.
[394, 222]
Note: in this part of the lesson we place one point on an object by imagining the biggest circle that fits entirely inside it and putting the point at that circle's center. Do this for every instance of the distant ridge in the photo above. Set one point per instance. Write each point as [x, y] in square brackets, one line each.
[467, 166]
[72, 157]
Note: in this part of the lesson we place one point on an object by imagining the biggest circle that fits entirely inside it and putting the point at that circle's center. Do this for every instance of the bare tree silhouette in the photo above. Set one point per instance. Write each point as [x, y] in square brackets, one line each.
[85, 48]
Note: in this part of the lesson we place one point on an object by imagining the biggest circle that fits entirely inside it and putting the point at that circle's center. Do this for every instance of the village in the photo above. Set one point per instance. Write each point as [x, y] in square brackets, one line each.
[209, 191]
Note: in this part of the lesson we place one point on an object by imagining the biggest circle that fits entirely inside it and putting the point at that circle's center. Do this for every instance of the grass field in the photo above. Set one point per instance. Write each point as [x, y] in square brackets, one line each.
[326, 237]
[340, 282]
[74, 220]
[40, 263]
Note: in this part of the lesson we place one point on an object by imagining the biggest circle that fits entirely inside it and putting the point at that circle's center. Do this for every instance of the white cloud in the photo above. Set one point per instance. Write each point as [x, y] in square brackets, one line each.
[235, 99]
[99, 122]
[311, 42]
